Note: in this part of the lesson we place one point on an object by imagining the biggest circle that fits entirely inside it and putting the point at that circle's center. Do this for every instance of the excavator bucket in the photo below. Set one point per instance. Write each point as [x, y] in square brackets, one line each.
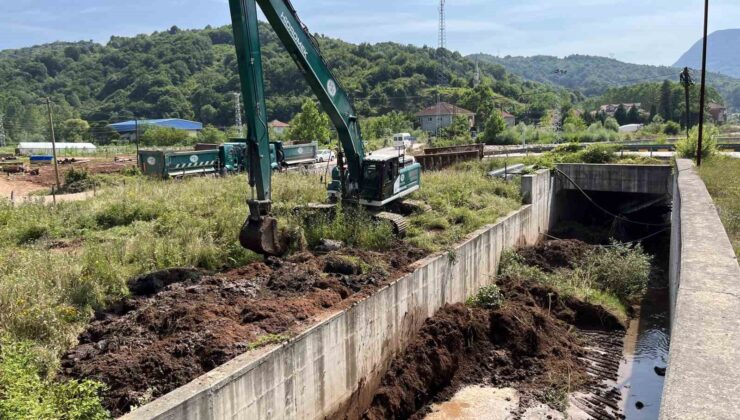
[263, 237]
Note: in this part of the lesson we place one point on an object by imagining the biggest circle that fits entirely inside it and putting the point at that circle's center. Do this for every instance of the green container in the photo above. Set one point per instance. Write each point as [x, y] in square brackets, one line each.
[233, 157]
[163, 165]
[300, 154]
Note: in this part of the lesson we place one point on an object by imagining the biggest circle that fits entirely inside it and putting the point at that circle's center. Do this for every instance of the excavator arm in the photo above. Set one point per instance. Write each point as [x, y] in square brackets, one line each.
[260, 232]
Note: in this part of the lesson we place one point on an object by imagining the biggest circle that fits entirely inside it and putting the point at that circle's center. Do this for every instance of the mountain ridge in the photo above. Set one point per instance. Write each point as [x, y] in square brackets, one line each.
[723, 53]
[594, 75]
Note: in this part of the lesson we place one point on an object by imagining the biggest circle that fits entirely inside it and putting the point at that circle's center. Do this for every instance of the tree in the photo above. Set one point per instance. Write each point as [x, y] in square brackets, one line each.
[633, 116]
[459, 130]
[164, 136]
[573, 122]
[74, 130]
[310, 125]
[621, 115]
[666, 101]
[494, 126]
[213, 135]
[672, 128]
[611, 124]
[653, 113]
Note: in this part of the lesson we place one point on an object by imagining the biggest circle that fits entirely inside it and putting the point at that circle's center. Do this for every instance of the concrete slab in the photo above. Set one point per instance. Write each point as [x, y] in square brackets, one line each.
[701, 381]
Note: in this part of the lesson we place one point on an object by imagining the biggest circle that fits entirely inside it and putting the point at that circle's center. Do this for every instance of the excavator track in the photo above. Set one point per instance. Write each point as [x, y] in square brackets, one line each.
[399, 223]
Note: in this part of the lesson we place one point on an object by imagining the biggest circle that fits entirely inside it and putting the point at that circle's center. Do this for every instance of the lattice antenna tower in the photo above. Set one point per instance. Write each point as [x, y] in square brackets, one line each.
[442, 42]
[3, 137]
[441, 45]
[238, 113]
[477, 77]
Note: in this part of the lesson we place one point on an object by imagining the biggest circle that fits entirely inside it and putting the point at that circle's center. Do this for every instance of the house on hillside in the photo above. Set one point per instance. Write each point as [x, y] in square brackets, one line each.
[611, 109]
[279, 127]
[509, 119]
[127, 129]
[441, 115]
[718, 112]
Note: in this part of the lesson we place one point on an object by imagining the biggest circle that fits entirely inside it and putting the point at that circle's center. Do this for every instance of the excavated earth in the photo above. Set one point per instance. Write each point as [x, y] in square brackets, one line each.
[181, 323]
[536, 342]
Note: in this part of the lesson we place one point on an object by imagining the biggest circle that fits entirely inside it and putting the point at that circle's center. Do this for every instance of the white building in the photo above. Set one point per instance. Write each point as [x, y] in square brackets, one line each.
[45, 148]
[631, 128]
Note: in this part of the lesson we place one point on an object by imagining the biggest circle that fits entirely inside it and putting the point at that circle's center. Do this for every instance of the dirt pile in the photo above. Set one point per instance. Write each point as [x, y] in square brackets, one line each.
[551, 255]
[181, 323]
[530, 343]
[47, 178]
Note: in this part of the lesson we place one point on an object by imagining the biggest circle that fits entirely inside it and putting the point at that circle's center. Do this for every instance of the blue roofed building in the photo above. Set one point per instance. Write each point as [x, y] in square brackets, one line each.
[127, 129]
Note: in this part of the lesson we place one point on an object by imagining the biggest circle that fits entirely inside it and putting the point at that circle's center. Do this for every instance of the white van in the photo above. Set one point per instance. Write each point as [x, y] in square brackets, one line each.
[403, 140]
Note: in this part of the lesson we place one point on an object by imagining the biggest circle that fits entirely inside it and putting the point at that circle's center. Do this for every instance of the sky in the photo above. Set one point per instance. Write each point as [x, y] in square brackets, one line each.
[637, 31]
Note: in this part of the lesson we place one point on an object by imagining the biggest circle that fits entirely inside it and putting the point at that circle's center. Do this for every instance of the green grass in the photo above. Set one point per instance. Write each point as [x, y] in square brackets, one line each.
[613, 277]
[721, 175]
[26, 393]
[60, 263]
[462, 201]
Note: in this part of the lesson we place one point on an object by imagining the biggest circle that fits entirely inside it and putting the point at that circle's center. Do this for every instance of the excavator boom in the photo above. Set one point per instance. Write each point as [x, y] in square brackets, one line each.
[377, 183]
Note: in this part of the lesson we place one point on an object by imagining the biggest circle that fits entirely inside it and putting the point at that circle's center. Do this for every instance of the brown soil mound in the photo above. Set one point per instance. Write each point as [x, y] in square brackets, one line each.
[551, 255]
[180, 323]
[529, 343]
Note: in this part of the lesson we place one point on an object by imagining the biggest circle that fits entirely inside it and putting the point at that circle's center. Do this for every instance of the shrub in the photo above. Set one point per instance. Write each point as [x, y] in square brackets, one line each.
[353, 226]
[123, 214]
[489, 297]
[687, 147]
[671, 128]
[26, 394]
[598, 153]
[611, 124]
[618, 269]
[76, 181]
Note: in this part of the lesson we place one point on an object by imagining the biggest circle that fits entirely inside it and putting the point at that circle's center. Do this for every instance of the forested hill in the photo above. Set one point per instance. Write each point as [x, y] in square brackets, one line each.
[593, 76]
[723, 53]
[193, 74]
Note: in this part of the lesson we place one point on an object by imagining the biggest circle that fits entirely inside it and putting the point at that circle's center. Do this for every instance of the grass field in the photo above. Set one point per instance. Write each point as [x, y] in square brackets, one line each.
[60, 263]
[721, 176]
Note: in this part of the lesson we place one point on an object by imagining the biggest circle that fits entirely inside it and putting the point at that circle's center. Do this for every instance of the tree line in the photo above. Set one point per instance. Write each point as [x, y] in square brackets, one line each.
[192, 74]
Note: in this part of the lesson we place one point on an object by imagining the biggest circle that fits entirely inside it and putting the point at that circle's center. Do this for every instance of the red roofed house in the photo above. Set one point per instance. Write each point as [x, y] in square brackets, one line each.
[441, 115]
[509, 119]
[718, 112]
[279, 127]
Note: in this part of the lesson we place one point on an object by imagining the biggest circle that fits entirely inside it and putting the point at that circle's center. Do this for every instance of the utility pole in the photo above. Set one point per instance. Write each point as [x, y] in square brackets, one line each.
[136, 125]
[702, 98]
[53, 144]
[687, 83]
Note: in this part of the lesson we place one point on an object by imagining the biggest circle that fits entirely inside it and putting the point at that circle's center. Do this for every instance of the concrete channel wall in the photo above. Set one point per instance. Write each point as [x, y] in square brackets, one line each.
[639, 179]
[702, 380]
[333, 369]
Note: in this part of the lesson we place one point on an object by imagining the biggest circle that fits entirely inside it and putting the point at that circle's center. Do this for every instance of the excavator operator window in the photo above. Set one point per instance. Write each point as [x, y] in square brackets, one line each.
[370, 175]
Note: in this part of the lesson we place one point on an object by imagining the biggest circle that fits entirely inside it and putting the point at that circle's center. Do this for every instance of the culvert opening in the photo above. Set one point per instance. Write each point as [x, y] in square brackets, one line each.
[549, 352]
[646, 344]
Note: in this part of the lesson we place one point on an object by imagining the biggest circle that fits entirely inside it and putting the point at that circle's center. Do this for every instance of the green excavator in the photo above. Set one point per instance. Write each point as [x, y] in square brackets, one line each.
[374, 181]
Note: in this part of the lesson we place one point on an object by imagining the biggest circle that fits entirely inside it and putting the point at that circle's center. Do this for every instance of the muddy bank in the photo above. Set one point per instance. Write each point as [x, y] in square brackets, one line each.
[181, 324]
[530, 343]
[537, 342]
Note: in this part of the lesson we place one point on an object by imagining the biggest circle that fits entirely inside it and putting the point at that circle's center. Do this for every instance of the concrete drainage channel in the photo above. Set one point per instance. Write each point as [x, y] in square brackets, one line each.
[334, 369]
